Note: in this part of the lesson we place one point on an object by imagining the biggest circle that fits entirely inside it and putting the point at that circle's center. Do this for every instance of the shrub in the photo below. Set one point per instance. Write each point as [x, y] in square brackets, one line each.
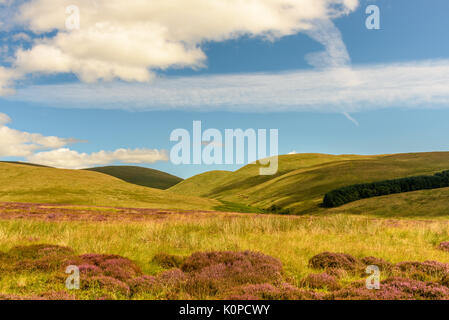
[113, 266]
[267, 291]
[106, 283]
[321, 281]
[444, 246]
[394, 289]
[142, 284]
[168, 261]
[373, 261]
[330, 260]
[429, 268]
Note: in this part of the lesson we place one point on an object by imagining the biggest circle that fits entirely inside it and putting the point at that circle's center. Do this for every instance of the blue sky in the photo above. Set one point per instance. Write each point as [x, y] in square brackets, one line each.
[412, 32]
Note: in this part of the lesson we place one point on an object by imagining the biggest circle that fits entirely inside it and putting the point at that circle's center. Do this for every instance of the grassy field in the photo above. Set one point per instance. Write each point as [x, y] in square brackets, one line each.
[141, 176]
[22, 183]
[293, 240]
[303, 179]
[160, 239]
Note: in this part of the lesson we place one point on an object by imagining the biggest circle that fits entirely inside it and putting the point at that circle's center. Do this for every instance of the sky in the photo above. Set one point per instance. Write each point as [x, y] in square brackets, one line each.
[113, 90]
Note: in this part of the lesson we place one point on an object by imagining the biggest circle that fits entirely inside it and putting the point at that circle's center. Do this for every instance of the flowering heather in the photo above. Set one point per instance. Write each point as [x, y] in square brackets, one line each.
[110, 265]
[394, 289]
[106, 283]
[51, 295]
[444, 246]
[253, 260]
[61, 212]
[321, 281]
[330, 260]
[373, 261]
[267, 291]
[42, 257]
[168, 261]
[171, 278]
[213, 272]
[429, 268]
[142, 284]
[39, 251]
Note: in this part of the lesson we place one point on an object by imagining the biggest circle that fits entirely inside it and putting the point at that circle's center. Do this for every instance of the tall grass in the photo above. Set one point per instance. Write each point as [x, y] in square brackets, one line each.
[293, 240]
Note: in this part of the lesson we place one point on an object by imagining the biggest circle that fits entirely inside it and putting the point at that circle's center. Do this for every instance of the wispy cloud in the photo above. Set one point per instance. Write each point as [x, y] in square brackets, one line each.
[414, 84]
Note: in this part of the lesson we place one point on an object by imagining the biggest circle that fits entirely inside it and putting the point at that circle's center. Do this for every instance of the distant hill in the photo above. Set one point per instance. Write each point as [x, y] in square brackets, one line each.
[141, 176]
[26, 183]
[303, 179]
[25, 164]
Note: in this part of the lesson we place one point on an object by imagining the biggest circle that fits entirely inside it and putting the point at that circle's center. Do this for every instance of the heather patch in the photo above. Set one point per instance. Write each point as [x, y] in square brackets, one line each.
[373, 261]
[168, 261]
[212, 273]
[321, 281]
[422, 270]
[108, 284]
[444, 246]
[40, 257]
[267, 291]
[233, 275]
[108, 265]
[330, 260]
[142, 284]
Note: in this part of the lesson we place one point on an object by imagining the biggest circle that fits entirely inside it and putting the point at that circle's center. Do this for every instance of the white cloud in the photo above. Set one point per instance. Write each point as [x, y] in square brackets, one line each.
[130, 40]
[69, 159]
[7, 78]
[15, 143]
[335, 54]
[413, 84]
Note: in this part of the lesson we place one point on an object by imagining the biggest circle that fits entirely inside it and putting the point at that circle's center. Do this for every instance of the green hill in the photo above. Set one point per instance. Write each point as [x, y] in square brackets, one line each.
[303, 179]
[141, 176]
[423, 203]
[24, 183]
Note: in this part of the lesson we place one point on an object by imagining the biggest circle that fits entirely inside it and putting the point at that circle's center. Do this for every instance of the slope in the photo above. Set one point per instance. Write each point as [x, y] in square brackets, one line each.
[140, 176]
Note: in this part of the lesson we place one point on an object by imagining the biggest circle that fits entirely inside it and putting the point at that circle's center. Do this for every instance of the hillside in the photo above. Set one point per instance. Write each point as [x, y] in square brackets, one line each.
[303, 179]
[24, 183]
[423, 203]
[140, 176]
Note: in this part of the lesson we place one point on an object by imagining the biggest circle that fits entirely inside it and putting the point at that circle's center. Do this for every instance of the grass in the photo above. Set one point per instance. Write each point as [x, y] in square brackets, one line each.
[22, 183]
[303, 179]
[417, 204]
[140, 176]
[293, 240]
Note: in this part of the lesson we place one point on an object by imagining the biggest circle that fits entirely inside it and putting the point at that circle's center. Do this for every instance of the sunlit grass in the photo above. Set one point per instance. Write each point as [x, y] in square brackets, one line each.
[293, 240]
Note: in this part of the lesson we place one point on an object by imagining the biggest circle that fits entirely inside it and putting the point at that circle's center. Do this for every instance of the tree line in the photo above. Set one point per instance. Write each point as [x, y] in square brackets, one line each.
[356, 192]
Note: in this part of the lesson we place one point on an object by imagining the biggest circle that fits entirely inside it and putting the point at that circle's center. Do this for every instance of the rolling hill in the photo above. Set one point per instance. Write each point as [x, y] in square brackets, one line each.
[423, 203]
[140, 176]
[303, 179]
[25, 183]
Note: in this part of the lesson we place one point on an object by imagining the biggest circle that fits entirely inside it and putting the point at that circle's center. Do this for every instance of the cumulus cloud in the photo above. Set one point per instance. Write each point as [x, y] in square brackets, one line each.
[52, 151]
[130, 40]
[15, 143]
[413, 84]
[70, 159]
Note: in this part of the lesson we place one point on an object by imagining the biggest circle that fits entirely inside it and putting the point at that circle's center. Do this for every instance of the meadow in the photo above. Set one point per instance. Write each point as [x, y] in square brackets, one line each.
[217, 236]
[291, 240]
